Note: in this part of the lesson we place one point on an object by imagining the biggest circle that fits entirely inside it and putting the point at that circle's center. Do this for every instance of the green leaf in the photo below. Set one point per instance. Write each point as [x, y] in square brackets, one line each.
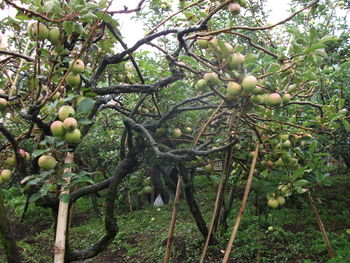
[34, 197]
[314, 47]
[40, 152]
[298, 173]
[68, 175]
[49, 6]
[91, 5]
[85, 121]
[341, 104]
[21, 16]
[326, 39]
[89, 16]
[346, 124]
[313, 146]
[85, 106]
[301, 183]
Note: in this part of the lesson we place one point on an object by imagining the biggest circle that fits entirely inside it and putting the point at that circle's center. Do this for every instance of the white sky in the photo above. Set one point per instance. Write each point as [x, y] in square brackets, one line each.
[132, 30]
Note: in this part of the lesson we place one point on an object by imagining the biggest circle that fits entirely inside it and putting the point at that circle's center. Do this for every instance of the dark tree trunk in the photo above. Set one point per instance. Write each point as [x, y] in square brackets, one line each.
[7, 240]
[193, 206]
[125, 167]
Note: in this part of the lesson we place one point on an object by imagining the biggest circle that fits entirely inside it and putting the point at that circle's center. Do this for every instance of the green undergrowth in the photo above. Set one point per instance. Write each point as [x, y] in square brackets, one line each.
[289, 234]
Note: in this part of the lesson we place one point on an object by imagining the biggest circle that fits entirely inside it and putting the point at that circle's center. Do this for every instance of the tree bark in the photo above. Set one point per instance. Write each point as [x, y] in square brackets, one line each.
[7, 240]
[125, 167]
[192, 204]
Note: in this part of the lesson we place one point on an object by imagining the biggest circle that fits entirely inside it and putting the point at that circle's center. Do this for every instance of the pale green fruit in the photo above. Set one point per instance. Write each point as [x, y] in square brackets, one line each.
[286, 144]
[176, 133]
[57, 129]
[279, 163]
[38, 31]
[284, 136]
[212, 78]
[5, 175]
[3, 103]
[73, 136]
[161, 131]
[203, 43]
[70, 124]
[273, 99]
[257, 99]
[249, 83]
[272, 202]
[229, 47]
[237, 60]
[243, 3]
[27, 158]
[11, 161]
[233, 89]
[47, 162]
[65, 111]
[73, 79]
[235, 9]
[209, 168]
[270, 228]
[201, 84]
[56, 96]
[281, 200]
[54, 35]
[188, 130]
[286, 98]
[78, 66]
[147, 189]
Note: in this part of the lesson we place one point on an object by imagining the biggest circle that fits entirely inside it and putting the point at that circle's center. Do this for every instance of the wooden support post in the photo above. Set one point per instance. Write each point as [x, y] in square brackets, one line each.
[321, 226]
[62, 218]
[173, 221]
[243, 205]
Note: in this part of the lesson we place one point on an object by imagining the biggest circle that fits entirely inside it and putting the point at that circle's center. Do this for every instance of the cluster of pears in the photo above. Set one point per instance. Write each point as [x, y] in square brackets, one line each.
[3, 102]
[6, 174]
[275, 201]
[248, 87]
[73, 78]
[41, 32]
[176, 133]
[66, 127]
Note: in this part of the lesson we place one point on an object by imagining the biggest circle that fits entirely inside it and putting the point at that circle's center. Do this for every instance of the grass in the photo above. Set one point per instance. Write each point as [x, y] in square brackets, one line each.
[142, 234]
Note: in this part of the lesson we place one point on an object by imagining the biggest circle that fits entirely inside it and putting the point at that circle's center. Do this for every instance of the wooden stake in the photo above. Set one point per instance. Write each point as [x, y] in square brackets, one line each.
[173, 221]
[62, 218]
[218, 202]
[243, 205]
[321, 226]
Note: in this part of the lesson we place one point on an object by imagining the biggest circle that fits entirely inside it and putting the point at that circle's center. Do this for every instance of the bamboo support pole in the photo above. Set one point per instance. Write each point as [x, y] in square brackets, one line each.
[321, 226]
[62, 218]
[243, 205]
[173, 221]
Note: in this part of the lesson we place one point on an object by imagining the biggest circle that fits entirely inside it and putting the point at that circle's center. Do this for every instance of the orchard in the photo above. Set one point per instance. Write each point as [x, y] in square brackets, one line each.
[214, 111]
